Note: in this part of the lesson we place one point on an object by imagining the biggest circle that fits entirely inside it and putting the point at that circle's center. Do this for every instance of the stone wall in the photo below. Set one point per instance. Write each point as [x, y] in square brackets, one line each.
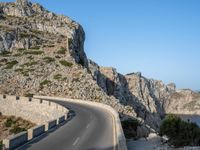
[34, 110]
[44, 113]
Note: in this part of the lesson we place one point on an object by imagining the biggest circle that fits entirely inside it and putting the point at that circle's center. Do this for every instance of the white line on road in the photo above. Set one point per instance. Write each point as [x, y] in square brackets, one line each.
[87, 126]
[76, 141]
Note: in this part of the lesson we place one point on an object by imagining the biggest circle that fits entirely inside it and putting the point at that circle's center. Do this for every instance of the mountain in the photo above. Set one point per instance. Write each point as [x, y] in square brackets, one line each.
[43, 53]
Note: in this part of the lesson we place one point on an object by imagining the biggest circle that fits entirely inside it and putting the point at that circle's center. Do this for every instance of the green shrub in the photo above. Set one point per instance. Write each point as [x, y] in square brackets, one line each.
[35, 47]
[50, 46]
[16, 130]
[28, 95]
[1, 145]
[66, 63]
[24, 71]
[64, 79]
[45, 82]
[9, 65]
[57, 56]
[75, 80]
[180, 133]
[130, 128]
[19, 70]
[3, 60]
[18, 54]
[61, 51]
[28, 64]
[9, 122]
[49, 59]
[21, 49]
[25, 35]
[36, 31]
[57, 76]
[30, 57]
[37, 52]
[5, 53]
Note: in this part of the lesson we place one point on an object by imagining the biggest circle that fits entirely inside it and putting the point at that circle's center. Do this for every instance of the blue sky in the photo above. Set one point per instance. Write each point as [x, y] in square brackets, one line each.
[160, 38]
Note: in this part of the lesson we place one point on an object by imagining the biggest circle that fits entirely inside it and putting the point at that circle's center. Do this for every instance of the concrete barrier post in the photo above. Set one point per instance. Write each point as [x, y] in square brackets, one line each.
[17, 98]
[30, 99]
[66, 117]
[36, 131]
[51, 124]
[60, 120]
[4, 96]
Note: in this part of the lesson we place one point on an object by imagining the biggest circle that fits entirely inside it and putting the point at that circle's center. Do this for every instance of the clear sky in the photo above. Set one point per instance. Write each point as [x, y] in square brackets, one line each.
[160, 38]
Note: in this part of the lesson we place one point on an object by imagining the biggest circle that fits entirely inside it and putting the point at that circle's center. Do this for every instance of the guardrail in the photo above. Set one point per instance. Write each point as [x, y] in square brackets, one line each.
[17, 140]
[120, 140]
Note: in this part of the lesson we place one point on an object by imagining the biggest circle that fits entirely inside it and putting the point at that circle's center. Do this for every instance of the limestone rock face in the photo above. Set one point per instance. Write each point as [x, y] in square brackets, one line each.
[146, 97]
[25, 25]
[184, 102]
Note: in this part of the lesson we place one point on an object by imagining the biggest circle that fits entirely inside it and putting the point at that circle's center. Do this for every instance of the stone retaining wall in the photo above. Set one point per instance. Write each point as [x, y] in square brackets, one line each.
[44, 113]
[34, 110]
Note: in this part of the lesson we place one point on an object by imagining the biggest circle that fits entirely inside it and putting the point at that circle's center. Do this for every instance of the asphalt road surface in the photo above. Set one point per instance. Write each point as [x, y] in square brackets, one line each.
[90, 129]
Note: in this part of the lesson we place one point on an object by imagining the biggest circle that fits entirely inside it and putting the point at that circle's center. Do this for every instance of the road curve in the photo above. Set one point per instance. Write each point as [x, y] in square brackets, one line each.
[90, 129]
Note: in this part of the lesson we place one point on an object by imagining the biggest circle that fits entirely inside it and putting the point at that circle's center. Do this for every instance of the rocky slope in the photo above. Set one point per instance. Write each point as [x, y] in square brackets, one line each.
[184, 102]
[43, 53]
[25, 25]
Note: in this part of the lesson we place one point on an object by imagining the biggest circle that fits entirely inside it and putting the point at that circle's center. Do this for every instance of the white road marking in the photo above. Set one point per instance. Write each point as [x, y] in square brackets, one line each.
[87, 126]
[76, 141]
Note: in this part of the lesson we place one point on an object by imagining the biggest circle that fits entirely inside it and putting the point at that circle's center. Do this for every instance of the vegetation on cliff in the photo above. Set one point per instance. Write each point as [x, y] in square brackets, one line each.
[130, 128]
[180, 133]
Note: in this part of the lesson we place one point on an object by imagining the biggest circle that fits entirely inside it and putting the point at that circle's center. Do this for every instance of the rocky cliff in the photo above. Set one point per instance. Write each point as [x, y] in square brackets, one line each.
[146, 96]
[183, 102]
[43, 53]
[25, 25]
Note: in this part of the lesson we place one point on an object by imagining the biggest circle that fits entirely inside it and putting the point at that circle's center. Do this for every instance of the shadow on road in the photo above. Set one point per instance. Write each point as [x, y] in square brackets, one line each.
[46, 134]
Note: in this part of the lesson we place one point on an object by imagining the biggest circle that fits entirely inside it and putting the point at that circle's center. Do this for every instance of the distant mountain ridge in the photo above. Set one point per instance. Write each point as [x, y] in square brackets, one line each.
[43, 53]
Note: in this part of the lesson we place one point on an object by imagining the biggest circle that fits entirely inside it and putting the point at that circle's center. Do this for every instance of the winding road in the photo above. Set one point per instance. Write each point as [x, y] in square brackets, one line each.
[90, 129]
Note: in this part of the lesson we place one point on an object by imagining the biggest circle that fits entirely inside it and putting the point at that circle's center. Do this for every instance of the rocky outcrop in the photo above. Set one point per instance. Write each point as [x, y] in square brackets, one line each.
[26, 25]
[183, 102]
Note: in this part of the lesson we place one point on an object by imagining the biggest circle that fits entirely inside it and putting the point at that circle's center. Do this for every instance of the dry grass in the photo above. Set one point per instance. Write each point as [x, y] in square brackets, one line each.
[10, 125]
